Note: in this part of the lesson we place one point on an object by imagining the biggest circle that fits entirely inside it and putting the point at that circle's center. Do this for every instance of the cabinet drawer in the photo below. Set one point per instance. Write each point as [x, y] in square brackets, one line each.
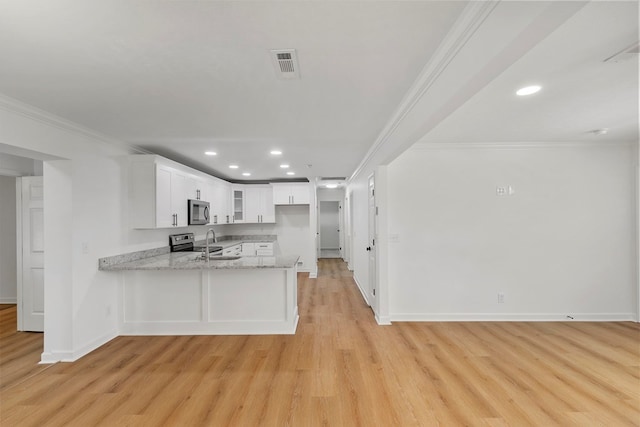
[232, 250]
[264, 246]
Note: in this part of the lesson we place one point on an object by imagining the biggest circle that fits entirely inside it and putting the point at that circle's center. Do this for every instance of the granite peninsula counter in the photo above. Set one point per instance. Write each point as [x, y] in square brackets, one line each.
[178, 294]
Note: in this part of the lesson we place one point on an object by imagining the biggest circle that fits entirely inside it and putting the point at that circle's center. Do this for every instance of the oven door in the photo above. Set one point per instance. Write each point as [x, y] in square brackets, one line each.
[198, 212]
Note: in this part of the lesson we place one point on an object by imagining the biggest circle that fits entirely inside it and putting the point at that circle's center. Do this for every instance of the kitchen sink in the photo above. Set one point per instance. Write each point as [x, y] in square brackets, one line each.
[218, 258]
[224, 257]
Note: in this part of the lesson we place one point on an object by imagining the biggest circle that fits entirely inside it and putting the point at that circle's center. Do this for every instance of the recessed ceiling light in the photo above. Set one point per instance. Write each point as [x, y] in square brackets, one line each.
[528, 90]
[210, 153]
[233, 166]
[246, 173]
[291, 173]
[276, 152]
[284, 166]
[331, 185]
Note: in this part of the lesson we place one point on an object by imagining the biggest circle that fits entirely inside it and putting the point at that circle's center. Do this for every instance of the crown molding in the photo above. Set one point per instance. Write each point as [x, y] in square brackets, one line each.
[33, 113]
[473, 15]
[425, 146]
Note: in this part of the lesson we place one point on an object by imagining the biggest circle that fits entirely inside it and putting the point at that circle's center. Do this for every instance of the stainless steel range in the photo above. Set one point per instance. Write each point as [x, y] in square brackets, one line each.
[186, 243]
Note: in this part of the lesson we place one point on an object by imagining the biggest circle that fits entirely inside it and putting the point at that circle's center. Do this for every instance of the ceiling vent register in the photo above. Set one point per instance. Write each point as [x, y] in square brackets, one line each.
[286, 63]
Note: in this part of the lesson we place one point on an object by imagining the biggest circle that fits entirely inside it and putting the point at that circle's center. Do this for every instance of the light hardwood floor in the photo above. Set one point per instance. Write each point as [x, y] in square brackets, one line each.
[339, 369]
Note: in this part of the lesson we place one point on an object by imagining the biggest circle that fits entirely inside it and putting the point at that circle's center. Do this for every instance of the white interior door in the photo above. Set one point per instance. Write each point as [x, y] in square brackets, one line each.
[371, 248]
[31, 255]
[329, 225]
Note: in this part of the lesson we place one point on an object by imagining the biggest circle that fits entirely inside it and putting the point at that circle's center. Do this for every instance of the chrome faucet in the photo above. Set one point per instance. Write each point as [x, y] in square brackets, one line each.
[206, 243]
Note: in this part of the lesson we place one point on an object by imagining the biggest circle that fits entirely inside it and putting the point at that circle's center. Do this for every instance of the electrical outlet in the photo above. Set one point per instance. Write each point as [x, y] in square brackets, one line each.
[500, 297]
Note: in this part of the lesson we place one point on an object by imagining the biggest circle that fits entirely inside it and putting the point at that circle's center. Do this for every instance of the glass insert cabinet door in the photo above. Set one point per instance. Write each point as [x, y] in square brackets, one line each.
[238, 205]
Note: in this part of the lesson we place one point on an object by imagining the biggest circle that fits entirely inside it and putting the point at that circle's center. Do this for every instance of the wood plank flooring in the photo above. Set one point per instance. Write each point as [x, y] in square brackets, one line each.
[339, 369]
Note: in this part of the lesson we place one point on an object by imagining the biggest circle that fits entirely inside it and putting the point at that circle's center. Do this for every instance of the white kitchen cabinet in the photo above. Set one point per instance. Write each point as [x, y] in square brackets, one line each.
[235, 250]
[219, 193]
[237, 204]
[264, 248]
[248, 249]
[195, 189]
[259, 207]
[259, 249]
[157, 195]
[291, 194]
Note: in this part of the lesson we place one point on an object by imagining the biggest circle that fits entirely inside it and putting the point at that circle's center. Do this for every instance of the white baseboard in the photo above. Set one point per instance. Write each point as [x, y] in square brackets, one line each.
[13, 300]
[512, 317]
[72, 356]
[364, 295]
[383, 320]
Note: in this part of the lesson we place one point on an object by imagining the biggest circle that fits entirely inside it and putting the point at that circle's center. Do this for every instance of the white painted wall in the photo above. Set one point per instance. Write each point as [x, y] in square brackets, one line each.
[330, 194]
[83, 203]
[11, 165]
[294, 230]
[563, 244]
[8, 289]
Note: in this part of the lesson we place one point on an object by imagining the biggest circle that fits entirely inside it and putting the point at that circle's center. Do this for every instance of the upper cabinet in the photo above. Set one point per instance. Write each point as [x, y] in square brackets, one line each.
[291, 194]
[237, 204]
[159, 191]
[259, 204]
[196, 189]
[218, 194]
[157, 194]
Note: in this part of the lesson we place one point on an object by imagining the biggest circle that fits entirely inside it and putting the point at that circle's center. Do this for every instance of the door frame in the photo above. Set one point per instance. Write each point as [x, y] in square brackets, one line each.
[19, 254]
[338, 212]
[372, 256]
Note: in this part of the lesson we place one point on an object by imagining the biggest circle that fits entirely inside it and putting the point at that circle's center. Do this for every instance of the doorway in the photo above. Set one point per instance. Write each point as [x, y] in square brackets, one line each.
[329, 220]
[22, 234]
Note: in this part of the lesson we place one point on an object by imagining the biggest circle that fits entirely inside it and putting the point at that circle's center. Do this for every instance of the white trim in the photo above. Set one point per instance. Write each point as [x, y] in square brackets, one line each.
[17, 107]
[423, 146]
[19, 325]
[512, 317]
[637, 207]
[53, 357]
[72, 356]
[383, 321]
[257, 327]
[362, 292]
[10, 172]
[10, 300]
[473, 15]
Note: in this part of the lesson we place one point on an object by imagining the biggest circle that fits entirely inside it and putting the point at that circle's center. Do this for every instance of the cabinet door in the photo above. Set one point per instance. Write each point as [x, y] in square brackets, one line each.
[193, 188]
[252, 205]
[300, 194]
[281, 194]
[267, 208]
[224, 194]
[237, 204]
[179, 201]
[248, 249]
[164, 210]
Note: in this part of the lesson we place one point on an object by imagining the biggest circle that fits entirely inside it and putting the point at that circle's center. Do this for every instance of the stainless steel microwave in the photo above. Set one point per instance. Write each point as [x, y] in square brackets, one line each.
[198, 212]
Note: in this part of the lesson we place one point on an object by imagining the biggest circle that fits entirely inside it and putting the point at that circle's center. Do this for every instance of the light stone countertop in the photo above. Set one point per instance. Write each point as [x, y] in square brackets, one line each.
[190, 261]
[162, 259]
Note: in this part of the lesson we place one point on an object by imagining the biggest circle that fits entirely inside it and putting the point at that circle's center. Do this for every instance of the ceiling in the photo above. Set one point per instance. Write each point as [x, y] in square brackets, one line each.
[180, 77]
[580, 91]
